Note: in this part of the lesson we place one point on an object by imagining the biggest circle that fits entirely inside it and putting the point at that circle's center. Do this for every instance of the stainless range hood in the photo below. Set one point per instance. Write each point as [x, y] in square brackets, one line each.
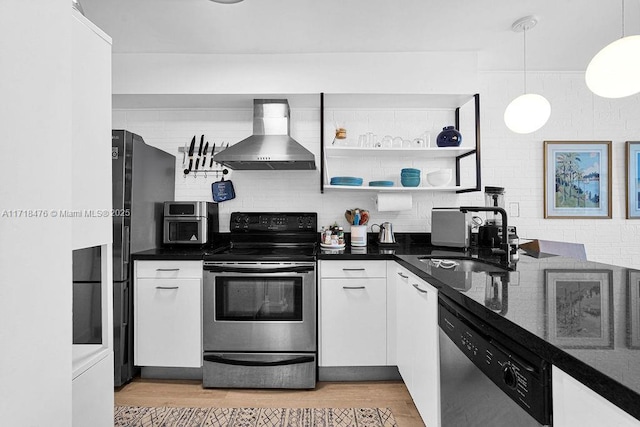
[270, 147]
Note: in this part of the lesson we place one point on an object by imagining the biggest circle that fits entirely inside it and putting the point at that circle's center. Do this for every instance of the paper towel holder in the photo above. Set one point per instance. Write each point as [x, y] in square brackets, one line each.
[408, 207]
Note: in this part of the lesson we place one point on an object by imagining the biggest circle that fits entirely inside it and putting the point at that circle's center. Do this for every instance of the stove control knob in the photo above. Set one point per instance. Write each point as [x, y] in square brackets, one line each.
[509, 377]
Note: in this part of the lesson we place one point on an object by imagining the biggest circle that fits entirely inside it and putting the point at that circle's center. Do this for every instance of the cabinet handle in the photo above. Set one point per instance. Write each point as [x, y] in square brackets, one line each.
[167, 269]
[403, 276]
[353, 287]
[353, 269]
[167, 287]
[415, 285]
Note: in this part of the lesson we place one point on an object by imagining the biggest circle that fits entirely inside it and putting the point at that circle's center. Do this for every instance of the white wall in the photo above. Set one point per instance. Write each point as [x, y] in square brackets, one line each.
[35, 252]
[509, 160]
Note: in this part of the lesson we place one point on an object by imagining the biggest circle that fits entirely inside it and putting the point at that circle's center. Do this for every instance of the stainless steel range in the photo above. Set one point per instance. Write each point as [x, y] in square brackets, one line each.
[259, 309]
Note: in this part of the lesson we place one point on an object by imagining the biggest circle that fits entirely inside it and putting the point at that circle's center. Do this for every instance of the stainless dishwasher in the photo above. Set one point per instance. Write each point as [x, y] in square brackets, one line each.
[485, 378]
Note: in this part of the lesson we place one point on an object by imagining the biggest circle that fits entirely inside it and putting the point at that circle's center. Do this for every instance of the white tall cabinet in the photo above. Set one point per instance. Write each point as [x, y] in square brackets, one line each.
[92, 372]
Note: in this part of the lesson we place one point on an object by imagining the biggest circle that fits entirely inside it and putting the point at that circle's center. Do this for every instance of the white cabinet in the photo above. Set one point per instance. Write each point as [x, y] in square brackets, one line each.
[92, 395]
[574, 404]
[417, 343]
[353, 315]
[168, 314]
[90, 210]
[91, 137]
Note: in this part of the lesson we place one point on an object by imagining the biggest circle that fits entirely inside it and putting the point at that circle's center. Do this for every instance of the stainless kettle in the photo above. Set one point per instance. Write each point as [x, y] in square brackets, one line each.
[386, 233]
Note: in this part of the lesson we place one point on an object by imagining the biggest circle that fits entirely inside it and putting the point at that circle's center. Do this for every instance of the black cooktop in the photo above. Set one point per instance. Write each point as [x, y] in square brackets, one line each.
[260, 252]
[270, 236]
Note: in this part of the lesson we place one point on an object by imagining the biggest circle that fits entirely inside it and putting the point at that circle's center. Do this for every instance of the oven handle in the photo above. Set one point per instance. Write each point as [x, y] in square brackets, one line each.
[249, 270]
[294, 361]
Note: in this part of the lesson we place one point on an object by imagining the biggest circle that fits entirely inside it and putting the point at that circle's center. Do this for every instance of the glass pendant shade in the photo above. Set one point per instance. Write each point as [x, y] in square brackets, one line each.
[527, 113]
[615, 71]
[226, 1]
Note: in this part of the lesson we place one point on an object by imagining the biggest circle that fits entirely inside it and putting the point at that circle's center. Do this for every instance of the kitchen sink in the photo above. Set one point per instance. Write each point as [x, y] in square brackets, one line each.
[461, 264]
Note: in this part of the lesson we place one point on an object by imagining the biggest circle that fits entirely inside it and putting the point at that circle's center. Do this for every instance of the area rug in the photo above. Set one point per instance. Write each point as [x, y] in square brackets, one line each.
[138, 416]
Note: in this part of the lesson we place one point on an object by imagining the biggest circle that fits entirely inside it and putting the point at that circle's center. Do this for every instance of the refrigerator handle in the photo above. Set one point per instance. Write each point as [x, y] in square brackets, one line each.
[125, 304]
[126, 250]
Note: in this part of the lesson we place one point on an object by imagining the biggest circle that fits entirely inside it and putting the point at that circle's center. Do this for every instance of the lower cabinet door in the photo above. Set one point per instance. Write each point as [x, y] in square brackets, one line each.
[575, 404]
[168, 322]
[426, 364]
[353, 316]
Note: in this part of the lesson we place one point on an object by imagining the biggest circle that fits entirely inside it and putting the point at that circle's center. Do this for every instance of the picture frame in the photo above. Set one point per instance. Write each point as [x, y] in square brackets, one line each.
[633, 327]
[579, 308]
[633, 179]
[577, 179]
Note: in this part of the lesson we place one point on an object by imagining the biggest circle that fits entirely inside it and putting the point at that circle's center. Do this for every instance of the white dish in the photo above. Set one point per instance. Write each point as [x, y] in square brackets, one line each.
[439, 178]
[324, 245]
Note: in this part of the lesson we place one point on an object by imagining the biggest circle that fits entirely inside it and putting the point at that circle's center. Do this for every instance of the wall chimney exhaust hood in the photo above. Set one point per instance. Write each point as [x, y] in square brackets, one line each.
[270, 147]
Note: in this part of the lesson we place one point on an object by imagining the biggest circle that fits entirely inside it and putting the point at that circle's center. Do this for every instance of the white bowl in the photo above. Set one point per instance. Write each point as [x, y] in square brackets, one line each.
[439, 178]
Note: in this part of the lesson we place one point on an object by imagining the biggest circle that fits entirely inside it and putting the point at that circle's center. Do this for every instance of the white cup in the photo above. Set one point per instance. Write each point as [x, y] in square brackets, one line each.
[358, 235]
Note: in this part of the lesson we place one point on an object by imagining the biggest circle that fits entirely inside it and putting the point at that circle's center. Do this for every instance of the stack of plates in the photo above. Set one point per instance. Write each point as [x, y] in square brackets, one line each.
[346, 180]
[380, 183]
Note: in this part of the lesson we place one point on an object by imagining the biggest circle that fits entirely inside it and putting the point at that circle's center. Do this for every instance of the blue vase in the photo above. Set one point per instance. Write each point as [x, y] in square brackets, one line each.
[449, 137]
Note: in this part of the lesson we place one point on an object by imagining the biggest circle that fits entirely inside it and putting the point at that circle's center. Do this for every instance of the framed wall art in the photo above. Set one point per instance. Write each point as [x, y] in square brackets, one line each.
[633, 328]
[577, 179]
[633, 180]
[579, 308]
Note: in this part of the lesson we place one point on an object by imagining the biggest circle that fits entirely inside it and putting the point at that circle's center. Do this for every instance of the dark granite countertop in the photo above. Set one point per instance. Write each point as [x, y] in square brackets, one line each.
[535, 304]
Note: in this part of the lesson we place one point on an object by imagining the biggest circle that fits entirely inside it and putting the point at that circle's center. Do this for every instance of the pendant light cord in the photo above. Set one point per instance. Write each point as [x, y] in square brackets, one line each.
[524, 57]
[623, 19]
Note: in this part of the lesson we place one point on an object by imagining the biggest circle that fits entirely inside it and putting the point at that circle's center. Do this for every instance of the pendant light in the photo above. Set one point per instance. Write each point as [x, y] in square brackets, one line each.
[226, 1]
[615, 71]
[528, 112]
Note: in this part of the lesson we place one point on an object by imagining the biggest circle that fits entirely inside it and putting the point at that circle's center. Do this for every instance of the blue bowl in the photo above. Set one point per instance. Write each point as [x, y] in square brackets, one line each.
[410, 175]
[410, 170]
[410, 182]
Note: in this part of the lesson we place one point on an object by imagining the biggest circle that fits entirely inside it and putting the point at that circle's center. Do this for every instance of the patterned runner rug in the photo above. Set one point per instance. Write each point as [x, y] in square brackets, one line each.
[137, 416]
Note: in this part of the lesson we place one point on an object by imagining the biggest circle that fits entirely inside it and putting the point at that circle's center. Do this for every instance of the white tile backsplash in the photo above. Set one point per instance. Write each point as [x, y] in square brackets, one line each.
[509, 160]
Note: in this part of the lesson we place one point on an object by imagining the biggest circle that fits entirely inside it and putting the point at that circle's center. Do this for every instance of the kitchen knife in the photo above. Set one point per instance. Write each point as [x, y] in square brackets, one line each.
[199, 152]
[213, 151]
[191, 148]
[204, 155]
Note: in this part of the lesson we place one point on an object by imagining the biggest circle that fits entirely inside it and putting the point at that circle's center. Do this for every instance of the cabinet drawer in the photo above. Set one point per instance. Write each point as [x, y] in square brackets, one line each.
[168, 269]
[353, 269]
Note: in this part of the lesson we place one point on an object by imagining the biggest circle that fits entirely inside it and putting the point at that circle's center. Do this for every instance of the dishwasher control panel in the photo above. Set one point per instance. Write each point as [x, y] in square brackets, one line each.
[525, 381]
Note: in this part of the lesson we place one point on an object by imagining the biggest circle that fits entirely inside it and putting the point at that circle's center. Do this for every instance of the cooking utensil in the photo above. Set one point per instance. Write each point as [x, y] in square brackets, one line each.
[213, 151]
[191, 148]
[223, 190]
[204, 154]
[199, 151]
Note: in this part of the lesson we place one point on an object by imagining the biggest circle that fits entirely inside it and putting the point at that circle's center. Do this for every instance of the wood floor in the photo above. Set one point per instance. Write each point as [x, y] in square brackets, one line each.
[376, 394]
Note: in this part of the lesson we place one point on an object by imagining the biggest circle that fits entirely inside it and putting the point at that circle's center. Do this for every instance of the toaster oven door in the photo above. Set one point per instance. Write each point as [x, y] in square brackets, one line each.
[185, 230]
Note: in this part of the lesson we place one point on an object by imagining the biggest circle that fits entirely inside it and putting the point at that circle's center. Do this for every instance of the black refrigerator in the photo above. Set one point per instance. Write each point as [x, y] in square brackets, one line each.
[143, 179]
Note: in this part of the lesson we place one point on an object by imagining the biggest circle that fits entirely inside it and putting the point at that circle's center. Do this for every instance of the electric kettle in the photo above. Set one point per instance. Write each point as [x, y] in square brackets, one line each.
[386, 233]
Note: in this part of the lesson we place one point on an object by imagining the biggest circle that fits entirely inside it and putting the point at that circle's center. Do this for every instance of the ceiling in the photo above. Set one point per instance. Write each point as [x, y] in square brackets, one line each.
[568, 34]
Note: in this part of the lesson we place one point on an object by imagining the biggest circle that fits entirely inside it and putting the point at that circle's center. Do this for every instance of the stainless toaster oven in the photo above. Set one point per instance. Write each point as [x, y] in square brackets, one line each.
[191, 223]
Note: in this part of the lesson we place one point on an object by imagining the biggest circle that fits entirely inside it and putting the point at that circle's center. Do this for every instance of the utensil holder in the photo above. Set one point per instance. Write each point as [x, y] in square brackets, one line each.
[358, 235]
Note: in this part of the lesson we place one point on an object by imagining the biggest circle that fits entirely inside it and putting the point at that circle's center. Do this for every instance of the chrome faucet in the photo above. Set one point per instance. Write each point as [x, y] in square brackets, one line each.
[505, 233]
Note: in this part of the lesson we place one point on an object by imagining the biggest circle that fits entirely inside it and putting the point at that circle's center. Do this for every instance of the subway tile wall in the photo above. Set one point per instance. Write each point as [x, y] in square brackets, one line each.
[509, 160]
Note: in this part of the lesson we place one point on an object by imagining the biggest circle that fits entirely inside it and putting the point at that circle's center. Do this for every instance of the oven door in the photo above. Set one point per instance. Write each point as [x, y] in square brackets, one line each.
[185, 230]
[263, 307]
